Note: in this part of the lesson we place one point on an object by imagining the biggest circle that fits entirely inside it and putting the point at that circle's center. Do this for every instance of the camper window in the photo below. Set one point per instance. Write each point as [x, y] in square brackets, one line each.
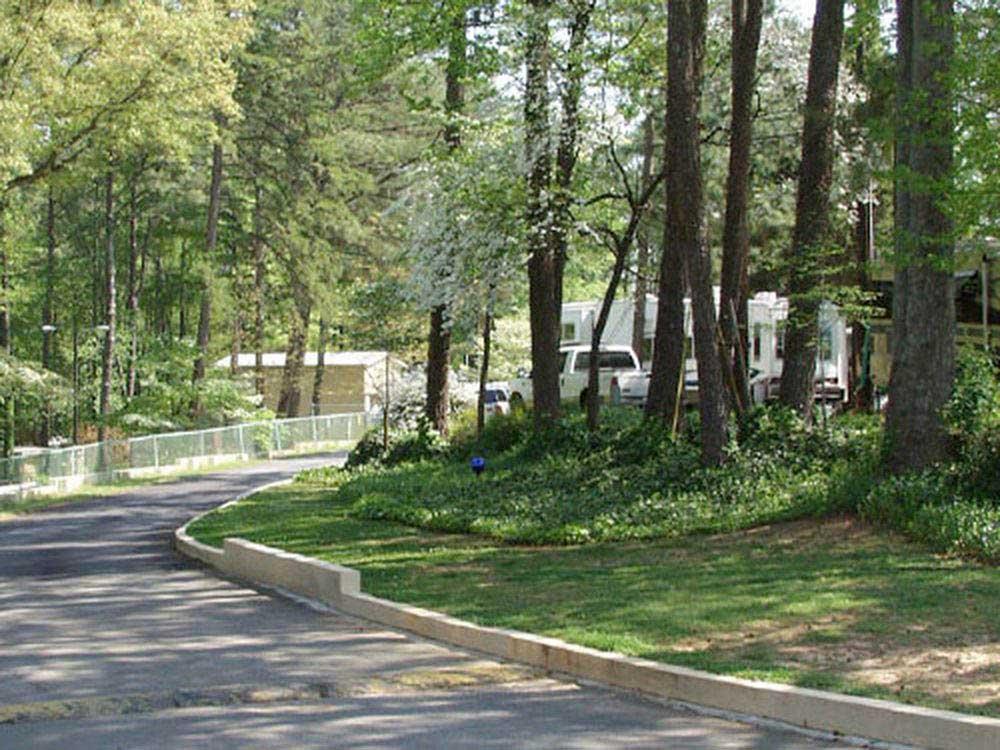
[569, 332]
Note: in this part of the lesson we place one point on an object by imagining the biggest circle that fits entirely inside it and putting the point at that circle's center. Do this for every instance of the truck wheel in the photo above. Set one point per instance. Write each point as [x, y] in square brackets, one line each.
[516, 402]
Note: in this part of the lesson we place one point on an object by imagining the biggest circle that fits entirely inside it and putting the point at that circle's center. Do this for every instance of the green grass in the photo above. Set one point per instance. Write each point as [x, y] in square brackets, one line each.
[819, 603]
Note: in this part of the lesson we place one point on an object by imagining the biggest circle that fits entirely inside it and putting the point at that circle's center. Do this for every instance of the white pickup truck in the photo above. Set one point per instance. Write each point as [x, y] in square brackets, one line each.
[615, 363]
[635, 386]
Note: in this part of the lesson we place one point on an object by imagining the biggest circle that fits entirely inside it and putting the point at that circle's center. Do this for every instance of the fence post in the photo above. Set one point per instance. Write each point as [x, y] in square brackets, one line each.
[243, 450]
[313, 425]
[276, 435]
[156, 453]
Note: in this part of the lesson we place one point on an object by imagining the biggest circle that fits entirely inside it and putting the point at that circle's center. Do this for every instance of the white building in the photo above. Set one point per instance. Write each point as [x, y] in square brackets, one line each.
[766, 315]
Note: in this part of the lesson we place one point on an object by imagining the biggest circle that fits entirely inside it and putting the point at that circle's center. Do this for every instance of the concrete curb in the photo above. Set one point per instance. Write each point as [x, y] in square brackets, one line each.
[340, 587]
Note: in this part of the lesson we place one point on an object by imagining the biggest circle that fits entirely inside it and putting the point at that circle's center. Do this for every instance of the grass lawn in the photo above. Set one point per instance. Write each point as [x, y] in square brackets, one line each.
[827, 603]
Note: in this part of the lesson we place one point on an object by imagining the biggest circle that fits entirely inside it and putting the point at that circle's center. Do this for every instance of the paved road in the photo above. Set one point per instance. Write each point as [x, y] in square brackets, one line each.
[108, 639]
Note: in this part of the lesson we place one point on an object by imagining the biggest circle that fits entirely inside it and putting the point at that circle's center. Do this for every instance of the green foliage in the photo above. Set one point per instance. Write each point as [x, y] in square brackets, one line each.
[404, 447]
[628, 481]
[931, 508]
[164, 404]
[954, 508]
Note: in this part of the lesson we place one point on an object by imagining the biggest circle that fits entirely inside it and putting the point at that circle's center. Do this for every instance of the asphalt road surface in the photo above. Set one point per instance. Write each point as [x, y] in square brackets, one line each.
[108, 639]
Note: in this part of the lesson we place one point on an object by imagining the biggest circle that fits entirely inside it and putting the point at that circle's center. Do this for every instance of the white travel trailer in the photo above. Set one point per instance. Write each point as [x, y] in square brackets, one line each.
[766, 315]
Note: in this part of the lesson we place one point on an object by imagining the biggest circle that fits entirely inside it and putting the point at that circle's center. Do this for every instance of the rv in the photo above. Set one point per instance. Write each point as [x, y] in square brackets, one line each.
[766, 316]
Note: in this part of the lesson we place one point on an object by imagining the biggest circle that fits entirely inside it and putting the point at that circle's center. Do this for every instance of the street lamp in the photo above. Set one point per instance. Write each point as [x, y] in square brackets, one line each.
[47, 330]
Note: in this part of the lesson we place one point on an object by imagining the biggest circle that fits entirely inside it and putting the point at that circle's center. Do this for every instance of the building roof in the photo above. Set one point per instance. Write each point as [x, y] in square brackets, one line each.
[247, 360]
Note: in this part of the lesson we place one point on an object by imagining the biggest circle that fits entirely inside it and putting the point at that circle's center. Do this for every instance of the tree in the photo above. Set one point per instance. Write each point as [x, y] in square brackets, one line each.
[620, 245]
[747, 16]
[439, 337]
[542, 262]
[685, 210]
[211, 238]
[812, 211]
[923, 309]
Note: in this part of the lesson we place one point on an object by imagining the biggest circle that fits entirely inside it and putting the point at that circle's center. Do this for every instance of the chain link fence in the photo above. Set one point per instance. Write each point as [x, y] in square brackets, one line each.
[160, 454]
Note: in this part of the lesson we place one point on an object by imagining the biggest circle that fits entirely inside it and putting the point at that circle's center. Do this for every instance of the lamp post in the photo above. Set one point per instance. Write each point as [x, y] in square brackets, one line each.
[47, 330]
[76, 381]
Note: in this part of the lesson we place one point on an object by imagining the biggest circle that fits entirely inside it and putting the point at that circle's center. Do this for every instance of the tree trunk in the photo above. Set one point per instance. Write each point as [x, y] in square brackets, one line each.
[542, 272]
[211, 236]
[622, 249]
[236, 342]
[666, 383]
[439, 337]
[812, 209]
[162, 310]
[50, 273]
[746, 22]
[291, 386]
[484, 366]
[923, 311]
[182, 296]
[593, 368]
[317, 393]
[107, 360]
[134, 282]
[259, 271]
[642, 257]
[48, 329]
[438, 357]
[97, 301]
[566, 148]
[685, 211]
[6, 405]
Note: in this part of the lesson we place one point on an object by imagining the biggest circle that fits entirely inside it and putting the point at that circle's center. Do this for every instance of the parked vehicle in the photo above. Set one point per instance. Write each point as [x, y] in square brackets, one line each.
[574, 362]
[766, 321]
[635, 387]
[497, 399]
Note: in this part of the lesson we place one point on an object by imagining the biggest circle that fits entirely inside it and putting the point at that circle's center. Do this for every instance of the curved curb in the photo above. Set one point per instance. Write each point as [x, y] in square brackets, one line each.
[842, 715]
[188, 545]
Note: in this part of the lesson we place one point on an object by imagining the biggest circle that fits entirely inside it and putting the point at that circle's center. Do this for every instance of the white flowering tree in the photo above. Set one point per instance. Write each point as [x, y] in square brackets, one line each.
[466, 235]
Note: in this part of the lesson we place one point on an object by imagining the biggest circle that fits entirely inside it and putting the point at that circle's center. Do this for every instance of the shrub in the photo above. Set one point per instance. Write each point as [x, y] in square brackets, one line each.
[404, 447]
[973, 416]
[930, 508]
[367, 450]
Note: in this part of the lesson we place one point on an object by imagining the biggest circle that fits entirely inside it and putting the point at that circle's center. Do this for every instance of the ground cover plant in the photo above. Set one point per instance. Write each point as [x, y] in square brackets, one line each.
[825, 603]
[628, 481]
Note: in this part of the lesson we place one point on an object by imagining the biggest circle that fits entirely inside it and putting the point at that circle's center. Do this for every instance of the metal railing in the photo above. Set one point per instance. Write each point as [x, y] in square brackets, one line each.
[160, 453]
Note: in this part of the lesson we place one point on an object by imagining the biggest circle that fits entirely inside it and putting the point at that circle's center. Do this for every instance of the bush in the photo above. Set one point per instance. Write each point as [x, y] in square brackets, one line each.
[973, 416]
[953, 508]
[404, 447]
[367, 450]
[930, 508]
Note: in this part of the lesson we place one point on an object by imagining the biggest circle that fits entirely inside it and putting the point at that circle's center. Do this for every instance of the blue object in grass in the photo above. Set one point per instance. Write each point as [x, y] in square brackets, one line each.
[478, 464]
